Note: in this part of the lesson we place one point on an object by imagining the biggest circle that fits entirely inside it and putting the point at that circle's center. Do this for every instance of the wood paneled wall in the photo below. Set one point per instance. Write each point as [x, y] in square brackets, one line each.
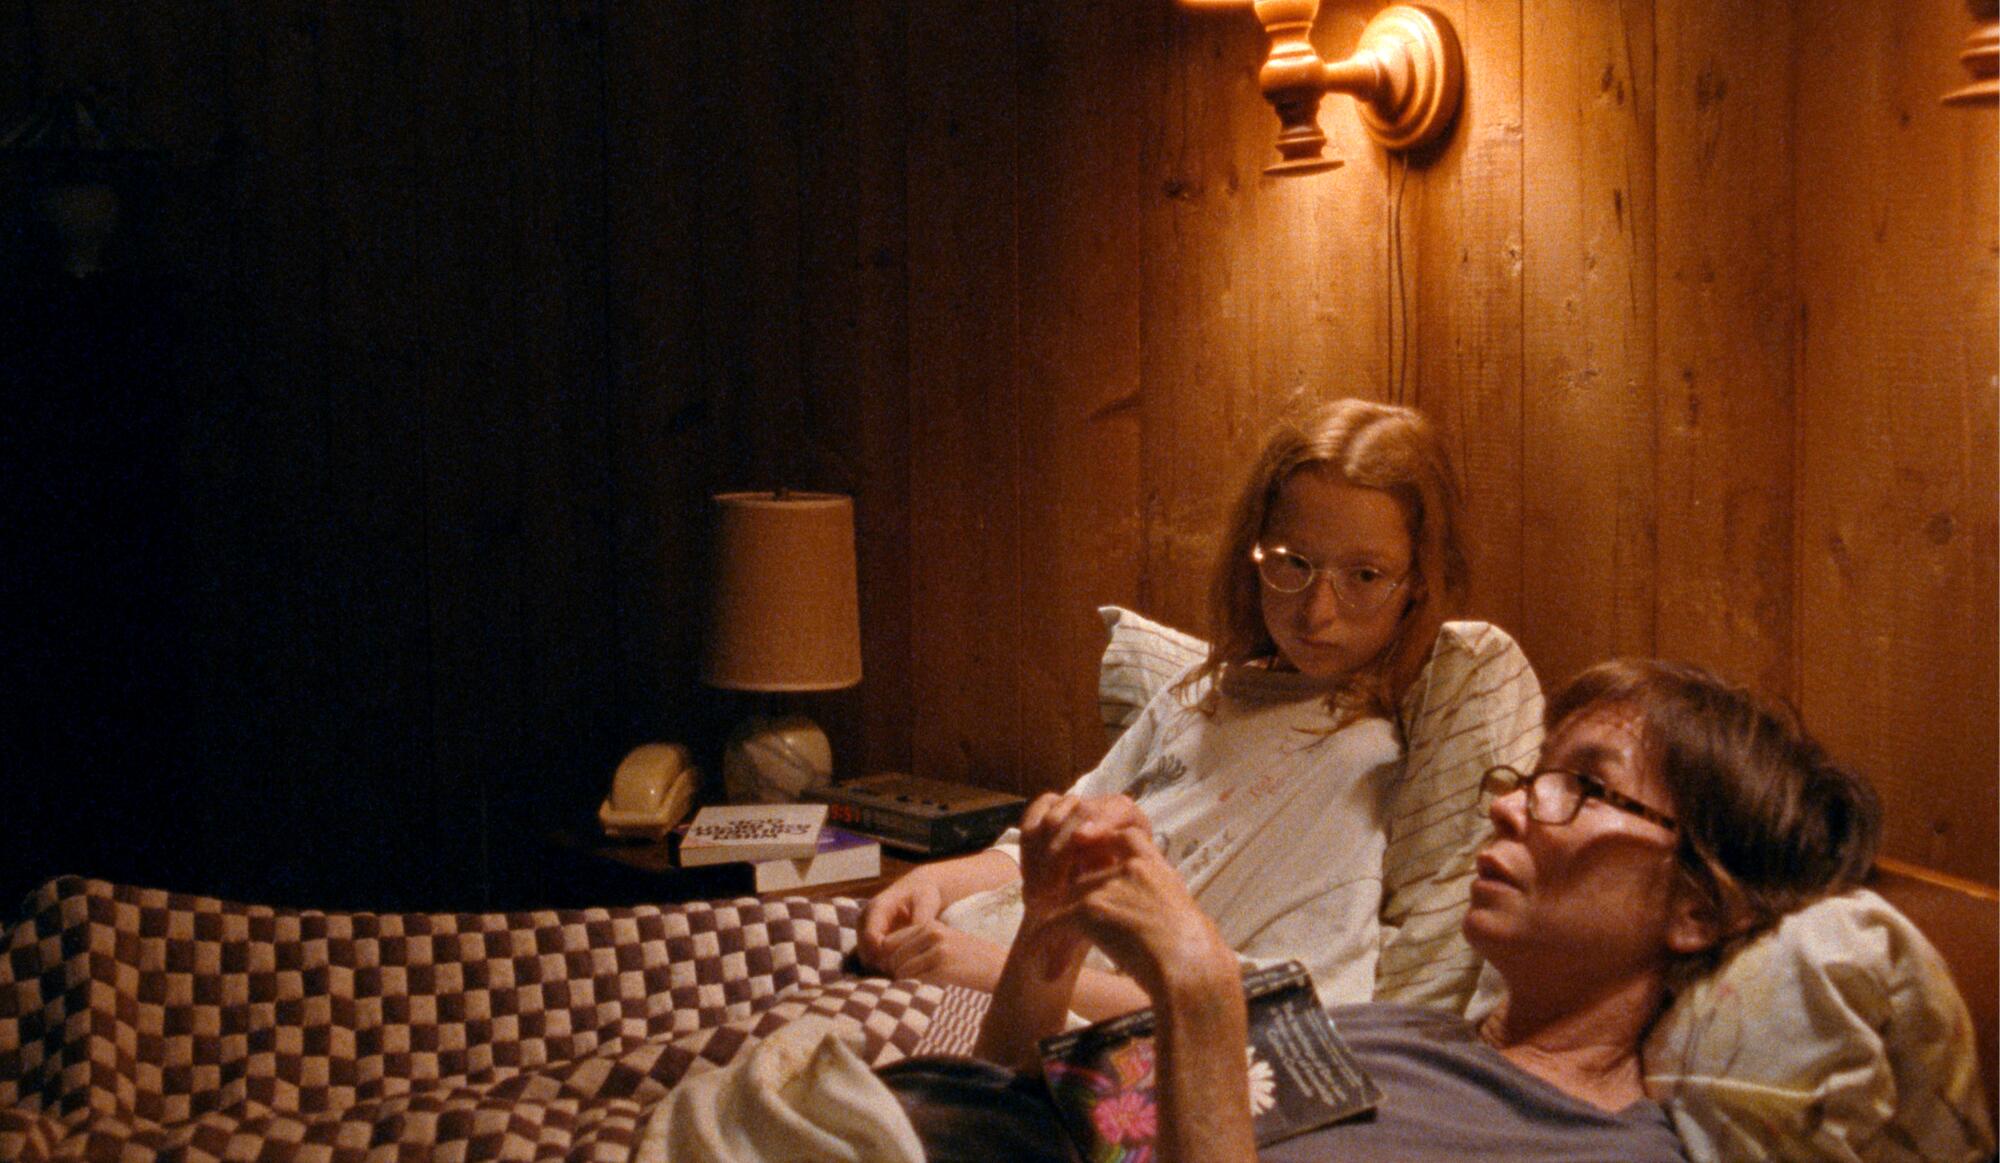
[1894, 435]
[477, 303]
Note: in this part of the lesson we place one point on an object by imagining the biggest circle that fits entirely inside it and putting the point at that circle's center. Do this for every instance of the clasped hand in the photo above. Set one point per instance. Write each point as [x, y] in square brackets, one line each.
[1091, 874]
[901, 930]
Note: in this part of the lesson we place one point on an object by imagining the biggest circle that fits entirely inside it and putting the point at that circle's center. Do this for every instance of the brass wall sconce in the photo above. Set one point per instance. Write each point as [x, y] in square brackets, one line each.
[1981, 58]
[1407, 74]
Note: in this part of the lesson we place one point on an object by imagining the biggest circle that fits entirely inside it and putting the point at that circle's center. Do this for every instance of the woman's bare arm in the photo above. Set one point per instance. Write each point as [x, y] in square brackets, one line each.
[1030, 1002]
[1100, 995]
[919, 895]
[1203, 1025]
[1043, 976]
[1138, 910]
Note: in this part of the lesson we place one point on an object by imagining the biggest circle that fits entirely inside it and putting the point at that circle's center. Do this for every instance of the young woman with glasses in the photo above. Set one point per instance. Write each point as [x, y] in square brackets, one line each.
[1263, 769]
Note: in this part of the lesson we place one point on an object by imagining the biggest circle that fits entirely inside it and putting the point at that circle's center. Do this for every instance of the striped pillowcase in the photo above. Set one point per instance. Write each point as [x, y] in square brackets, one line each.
[1142, 657]
[1476, 703]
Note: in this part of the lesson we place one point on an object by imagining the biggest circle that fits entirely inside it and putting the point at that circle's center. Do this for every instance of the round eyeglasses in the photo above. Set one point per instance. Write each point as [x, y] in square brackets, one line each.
[1555, 797]
[1360, 589]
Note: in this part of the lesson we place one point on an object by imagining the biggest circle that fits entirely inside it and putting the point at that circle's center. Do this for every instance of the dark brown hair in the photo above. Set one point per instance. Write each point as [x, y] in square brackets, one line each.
[1373, 446]
[1768, 821]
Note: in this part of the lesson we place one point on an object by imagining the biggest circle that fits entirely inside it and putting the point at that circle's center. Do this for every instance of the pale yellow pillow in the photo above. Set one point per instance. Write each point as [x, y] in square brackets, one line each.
[1142, 657]
[1837, 1036]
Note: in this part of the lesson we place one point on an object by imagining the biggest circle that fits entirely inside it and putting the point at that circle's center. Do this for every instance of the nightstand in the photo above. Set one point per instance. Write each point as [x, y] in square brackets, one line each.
[591, 869]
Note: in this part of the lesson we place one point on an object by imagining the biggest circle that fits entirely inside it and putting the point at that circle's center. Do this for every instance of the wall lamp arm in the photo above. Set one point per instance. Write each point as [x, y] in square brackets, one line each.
[1407, 75]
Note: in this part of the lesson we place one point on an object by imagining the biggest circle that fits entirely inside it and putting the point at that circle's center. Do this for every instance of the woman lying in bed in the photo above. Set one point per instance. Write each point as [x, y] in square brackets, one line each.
[1670, 816]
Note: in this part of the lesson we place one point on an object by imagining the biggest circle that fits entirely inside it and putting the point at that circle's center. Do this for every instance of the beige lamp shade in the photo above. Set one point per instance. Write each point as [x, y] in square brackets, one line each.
[783, 612]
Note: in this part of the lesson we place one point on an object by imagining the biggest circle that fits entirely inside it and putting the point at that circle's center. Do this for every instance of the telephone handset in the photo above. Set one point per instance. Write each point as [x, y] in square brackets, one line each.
[650, 792]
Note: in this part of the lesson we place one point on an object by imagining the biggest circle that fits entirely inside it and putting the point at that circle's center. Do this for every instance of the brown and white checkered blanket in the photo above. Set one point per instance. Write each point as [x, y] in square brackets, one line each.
[138, 1024]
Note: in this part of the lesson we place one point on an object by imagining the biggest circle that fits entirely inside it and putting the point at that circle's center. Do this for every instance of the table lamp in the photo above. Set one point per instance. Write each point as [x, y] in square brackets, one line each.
[783, 616]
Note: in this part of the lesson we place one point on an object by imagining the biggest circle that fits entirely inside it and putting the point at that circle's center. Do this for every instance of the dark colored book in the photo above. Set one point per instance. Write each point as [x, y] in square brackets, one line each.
[1302, 1076]
[933, 817]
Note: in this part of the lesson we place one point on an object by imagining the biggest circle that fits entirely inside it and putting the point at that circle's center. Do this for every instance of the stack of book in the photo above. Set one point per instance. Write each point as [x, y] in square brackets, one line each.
[786, 846]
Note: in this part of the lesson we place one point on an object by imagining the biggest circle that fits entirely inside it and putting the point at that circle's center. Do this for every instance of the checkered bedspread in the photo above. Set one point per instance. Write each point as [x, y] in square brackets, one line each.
[138, 1024]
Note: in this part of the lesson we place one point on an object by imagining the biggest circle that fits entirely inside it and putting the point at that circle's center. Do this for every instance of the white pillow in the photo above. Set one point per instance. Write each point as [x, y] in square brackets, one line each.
[1141, 657]
[1476, 703]
[1837, 1036]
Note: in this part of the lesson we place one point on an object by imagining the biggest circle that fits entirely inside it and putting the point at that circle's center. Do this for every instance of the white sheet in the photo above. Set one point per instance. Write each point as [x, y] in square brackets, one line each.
[801, 1093]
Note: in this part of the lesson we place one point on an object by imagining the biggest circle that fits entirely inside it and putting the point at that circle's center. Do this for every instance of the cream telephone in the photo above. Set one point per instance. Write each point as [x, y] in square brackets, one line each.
[650, 792]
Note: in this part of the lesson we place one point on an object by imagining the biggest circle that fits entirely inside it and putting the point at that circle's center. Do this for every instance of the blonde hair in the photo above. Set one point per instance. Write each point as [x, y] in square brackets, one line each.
[1373, 446]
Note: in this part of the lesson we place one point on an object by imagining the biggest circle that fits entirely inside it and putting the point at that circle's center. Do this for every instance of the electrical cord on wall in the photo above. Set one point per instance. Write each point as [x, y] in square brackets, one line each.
[1396, 180]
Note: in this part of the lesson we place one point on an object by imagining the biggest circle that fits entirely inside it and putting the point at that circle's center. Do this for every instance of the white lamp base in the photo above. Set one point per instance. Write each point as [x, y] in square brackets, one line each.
[773, 761]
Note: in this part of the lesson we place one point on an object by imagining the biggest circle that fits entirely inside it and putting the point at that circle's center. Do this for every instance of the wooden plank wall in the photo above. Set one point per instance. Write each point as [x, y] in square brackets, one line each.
[481, 302]
[1895, 339]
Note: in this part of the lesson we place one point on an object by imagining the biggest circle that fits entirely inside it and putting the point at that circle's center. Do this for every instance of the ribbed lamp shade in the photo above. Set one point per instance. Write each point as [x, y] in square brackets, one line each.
[783, 615]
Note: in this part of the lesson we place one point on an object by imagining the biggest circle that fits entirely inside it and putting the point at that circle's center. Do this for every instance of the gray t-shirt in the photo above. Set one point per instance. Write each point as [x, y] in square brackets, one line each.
[1446, 1095]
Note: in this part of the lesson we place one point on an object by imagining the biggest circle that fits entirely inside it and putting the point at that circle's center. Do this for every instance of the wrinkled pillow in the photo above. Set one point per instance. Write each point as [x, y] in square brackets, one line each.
[1476, 703]
[1837, 1036]
[1142, 657]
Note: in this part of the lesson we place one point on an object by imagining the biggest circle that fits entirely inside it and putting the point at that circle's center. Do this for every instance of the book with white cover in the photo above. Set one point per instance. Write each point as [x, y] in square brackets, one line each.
[752, 832]
[842, 855]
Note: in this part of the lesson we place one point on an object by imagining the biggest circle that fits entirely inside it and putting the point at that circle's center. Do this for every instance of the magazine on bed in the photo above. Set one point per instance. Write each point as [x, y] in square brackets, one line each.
[1302, 1075]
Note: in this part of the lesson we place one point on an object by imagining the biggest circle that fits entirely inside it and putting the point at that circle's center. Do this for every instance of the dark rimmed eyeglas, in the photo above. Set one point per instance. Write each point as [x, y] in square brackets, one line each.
[1555, 797]
[1360, 589]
